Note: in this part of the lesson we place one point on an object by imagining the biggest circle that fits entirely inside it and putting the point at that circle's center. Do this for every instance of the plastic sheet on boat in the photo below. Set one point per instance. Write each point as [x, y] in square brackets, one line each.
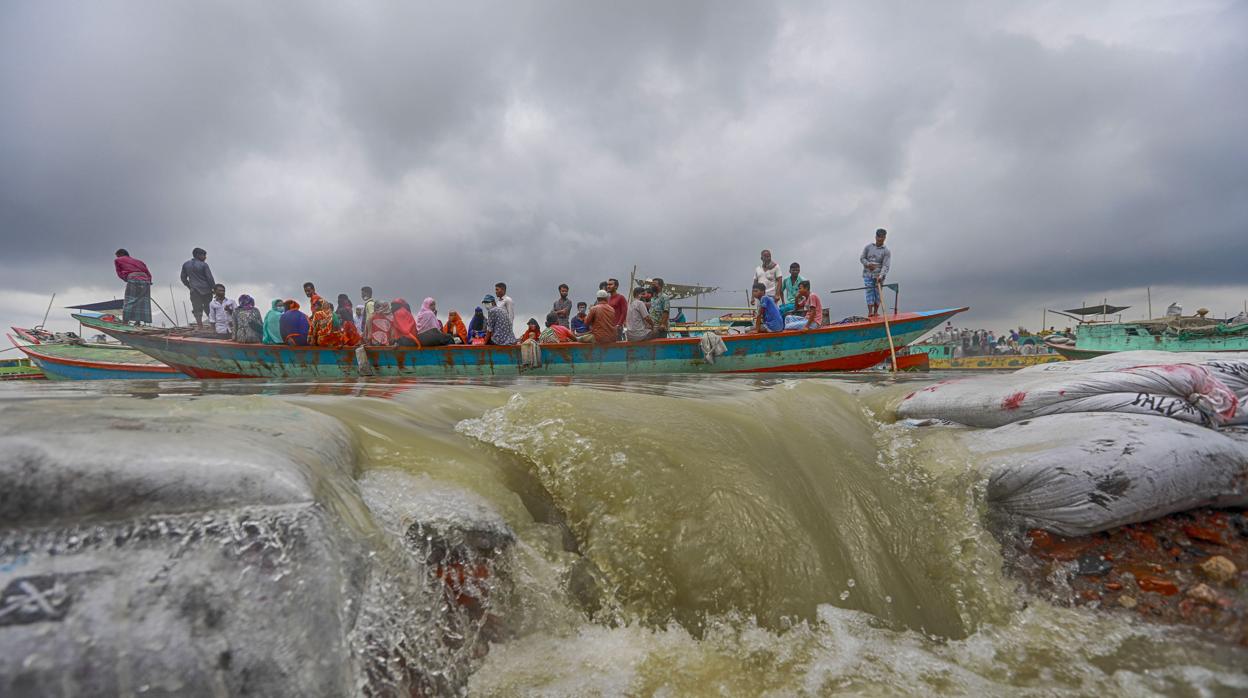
[1184, 391]
[1077, 474]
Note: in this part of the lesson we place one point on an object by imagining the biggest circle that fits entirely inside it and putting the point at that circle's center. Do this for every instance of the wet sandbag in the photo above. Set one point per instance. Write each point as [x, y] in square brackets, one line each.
[177, 547]
[1076, 474]
[1184, 392]
[1229, 367]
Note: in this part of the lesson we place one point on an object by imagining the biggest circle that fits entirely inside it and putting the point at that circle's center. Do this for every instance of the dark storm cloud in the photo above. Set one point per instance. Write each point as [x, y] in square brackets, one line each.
[433, 149]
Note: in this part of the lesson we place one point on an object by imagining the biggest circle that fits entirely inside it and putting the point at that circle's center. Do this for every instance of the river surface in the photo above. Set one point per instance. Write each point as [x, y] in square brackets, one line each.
[726, 536]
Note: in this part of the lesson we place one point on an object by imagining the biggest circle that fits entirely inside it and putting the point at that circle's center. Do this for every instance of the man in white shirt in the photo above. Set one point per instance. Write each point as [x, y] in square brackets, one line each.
[768, 274]
[504, 301]
[639, 326]
[221, 312]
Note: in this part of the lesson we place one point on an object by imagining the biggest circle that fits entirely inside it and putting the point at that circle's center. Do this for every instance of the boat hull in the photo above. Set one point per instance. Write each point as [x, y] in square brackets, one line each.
[849, 347]
[72, 362]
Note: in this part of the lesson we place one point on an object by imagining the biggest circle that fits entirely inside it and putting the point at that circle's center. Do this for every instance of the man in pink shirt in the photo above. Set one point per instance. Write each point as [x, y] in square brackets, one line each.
[814, 306]
[138, 304]
[618, 303]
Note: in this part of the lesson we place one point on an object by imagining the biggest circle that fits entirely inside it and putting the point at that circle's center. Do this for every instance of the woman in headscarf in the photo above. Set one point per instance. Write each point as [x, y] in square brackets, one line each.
[294, 325]
[428, 329]
[476, 327]
[248, 327]
[404, 324]
[380, 331]
[455, 327]
[273, 322]
[532, 331]
[346, 322]
[321, 332]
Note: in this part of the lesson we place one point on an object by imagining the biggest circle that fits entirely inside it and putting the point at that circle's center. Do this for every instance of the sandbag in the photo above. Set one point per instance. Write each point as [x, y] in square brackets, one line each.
[1229, 367]
[1185, 392]
[1076, 474]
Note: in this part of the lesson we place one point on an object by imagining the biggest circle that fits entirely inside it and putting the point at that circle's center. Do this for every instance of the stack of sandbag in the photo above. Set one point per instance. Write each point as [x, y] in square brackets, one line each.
[1076, 474]
[1081, 447]
[1191, 392]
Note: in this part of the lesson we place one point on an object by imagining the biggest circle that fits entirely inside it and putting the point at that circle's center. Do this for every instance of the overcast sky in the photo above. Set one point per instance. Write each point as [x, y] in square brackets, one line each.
[1021, 155]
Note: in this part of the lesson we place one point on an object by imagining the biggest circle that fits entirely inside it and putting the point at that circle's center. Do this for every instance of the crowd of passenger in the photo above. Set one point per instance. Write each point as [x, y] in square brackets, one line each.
[981, 342]
[781, 303]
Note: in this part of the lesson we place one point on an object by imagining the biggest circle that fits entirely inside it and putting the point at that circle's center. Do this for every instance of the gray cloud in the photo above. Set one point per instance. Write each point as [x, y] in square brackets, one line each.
[1021, 156]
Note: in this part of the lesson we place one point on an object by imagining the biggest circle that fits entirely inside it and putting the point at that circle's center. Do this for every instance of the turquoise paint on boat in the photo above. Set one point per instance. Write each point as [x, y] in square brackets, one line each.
[848, 347]
[1097, 339]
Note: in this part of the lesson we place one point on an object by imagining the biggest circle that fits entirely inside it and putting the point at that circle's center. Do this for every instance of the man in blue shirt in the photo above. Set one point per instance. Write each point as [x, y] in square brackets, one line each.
[768, 317]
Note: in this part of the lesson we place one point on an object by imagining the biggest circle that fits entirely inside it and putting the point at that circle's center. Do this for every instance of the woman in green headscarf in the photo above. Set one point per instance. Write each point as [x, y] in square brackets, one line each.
[273, 322]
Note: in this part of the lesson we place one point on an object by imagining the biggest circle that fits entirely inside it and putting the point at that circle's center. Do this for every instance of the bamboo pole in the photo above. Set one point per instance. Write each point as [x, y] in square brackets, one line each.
[892, 350]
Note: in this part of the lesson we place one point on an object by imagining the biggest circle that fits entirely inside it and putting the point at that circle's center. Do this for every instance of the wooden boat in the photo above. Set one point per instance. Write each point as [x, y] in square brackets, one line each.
[92, 361]
[19, 370]
[1180, 334]
[941, 358]
[848, 347]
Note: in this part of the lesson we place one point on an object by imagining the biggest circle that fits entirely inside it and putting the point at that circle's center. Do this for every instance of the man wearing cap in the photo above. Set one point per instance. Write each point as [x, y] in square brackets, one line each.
[498, 329]
[601, 321]
[875, 259]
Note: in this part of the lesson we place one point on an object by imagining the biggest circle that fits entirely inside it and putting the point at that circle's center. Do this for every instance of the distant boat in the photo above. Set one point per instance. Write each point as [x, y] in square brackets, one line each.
[941, 358]
[1186, 333]
[19, 370]
[847, 347]
[77, 360]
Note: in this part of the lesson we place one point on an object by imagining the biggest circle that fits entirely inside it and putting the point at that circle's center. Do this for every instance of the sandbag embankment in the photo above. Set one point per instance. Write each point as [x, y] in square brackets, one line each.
[1189, 392]
[1079, 474]
[1081, 447]
[176, 547]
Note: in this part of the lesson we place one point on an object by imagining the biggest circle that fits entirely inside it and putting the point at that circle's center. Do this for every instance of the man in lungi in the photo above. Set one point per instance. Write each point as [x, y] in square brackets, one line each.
[138, 304]
[875, 259]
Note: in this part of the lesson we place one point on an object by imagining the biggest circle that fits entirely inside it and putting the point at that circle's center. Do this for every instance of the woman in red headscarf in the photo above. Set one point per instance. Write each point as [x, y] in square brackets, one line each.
[321, 332]
[404, 323]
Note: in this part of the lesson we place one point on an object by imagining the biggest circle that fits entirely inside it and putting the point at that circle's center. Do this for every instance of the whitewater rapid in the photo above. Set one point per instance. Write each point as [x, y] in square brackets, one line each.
[706, 536]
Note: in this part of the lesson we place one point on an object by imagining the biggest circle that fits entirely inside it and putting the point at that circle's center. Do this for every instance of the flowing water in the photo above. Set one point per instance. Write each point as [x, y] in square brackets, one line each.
[724, 536]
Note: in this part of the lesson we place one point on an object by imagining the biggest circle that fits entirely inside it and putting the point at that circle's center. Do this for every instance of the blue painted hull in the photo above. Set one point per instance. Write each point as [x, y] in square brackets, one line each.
[67, 372]
[836, 348]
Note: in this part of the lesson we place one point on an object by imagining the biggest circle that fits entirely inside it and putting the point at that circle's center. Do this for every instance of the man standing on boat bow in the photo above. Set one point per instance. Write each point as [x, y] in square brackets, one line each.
[875, 259]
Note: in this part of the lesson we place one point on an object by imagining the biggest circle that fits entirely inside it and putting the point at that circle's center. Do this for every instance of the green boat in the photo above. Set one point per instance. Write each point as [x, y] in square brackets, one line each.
[19, 370]
[1190, 333]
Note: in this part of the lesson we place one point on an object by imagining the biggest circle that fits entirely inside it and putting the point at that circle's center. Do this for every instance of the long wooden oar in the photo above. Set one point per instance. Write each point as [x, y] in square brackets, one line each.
[892, 351]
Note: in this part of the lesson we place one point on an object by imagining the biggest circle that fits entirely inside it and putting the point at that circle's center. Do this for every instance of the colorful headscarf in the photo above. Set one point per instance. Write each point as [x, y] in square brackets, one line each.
[292, 305]
[273, 322]
[404, 323]
[455, 326]
[321, 328]
[427, 319]
[345, 309]
[477, 323]
[246, 301]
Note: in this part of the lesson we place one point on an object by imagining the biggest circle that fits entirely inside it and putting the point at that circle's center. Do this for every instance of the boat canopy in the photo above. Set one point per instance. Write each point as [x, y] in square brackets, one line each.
[1099, 310]
[116, 304]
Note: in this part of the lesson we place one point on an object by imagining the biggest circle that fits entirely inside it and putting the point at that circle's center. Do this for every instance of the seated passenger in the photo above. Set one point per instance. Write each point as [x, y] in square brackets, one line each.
[428, 329]
[380, 326]
[498, 328]
[294, 325]
[344, 321]
[601, 321]
[767, 318]
[531, 331]
[455, 327]
[273, 322]
[476, 326]
[579, 326]
[638, 325]
[812, 304]
[404, 324]
[321, 332]
[554, 332]
[248, 326]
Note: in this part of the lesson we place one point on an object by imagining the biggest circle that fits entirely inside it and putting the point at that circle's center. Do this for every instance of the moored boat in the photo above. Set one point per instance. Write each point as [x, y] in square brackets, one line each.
[1179, 334]
[93, 361]
[19, 370]
[944, 357]
[844, 347]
